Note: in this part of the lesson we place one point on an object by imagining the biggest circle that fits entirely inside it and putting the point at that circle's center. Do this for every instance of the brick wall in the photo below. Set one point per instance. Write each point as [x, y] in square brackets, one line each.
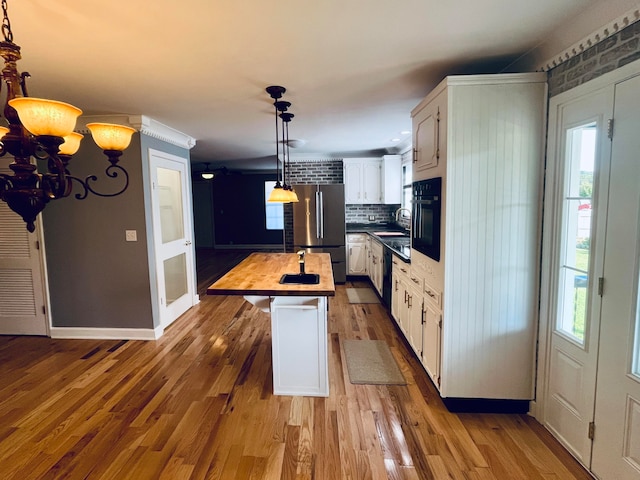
[611, 53]
[330, 172]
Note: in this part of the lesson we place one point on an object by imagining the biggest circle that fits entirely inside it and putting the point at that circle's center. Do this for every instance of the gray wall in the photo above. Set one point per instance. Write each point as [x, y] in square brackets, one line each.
[96, 278]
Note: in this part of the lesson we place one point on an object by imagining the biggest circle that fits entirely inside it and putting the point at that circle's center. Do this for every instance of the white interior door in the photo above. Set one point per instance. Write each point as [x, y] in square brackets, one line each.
[616, 446]
[22, 292]
[582, 150]
[172, 233]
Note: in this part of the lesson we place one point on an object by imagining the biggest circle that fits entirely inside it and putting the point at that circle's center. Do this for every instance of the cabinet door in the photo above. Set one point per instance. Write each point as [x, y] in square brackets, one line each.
[353, 182]
[426, 138]
[415, 319]
[397, 295]
[371, 187]
[357, 259]
[431, 336]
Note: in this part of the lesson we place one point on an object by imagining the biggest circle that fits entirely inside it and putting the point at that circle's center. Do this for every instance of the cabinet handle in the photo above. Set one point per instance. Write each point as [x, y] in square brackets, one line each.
[415, 155]
[403, 270]
[415, 280]
[396, 286]
[428, 292]
[405, 296]
[409, 302]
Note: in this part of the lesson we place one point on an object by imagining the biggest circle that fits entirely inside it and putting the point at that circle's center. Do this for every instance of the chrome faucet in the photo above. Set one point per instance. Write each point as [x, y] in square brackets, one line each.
[301, 260]
[398, 211]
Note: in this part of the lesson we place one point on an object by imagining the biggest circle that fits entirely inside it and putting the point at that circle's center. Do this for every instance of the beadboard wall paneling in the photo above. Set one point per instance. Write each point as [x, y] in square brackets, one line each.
[492, 198]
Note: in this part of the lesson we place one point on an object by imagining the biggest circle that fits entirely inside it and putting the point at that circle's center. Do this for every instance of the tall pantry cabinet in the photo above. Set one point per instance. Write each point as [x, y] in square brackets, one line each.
[484, 135]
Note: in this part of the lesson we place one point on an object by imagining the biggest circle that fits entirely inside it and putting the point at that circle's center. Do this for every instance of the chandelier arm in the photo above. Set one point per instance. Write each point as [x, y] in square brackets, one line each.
[111, 171]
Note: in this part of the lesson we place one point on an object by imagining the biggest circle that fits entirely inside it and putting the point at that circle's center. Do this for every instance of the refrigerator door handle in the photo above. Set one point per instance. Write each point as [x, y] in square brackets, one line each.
[319, 215]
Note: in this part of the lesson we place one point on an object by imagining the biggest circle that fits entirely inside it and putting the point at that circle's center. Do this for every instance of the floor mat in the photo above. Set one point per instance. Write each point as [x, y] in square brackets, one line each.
[371, 362]
[362, 295]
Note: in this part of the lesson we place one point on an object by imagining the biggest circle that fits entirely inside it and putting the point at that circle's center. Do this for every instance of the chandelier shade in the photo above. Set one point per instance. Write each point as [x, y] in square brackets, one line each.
[46, 117]
[111, 137]
[71, 143]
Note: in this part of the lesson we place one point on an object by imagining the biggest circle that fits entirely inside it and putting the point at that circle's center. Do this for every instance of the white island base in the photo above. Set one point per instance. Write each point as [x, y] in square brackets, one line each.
[298, 344]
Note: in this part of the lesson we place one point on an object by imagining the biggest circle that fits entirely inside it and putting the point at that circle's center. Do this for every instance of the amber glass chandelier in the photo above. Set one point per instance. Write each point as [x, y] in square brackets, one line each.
[43, 129]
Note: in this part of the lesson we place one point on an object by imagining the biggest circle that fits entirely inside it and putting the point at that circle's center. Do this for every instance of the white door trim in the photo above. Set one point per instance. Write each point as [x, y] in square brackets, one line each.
[167, 315]
[547, 297]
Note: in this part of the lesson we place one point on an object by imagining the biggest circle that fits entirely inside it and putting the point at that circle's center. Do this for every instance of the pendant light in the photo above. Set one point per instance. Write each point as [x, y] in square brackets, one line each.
[286, 118]
[207, 174]
[277, 194]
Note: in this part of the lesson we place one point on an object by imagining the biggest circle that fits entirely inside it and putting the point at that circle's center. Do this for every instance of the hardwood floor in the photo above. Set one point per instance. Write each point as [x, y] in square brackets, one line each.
[197, 404]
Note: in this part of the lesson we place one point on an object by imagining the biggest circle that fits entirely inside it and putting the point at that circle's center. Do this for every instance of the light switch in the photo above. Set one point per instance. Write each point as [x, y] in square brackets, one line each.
[131, 235]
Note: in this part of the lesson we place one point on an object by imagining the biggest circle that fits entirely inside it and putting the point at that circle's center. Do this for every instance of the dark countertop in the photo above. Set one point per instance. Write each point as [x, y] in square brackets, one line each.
[400, 246]
[375, 227]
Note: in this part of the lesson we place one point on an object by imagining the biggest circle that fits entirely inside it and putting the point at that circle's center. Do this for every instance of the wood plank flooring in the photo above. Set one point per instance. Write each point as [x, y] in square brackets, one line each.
[197, 404]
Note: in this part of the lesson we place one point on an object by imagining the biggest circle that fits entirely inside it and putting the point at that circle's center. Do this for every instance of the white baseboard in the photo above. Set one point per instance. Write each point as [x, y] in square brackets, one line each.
[106, 333]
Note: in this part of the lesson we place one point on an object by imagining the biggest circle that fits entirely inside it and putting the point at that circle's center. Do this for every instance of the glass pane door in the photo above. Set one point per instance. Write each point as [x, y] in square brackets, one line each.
[577, 232]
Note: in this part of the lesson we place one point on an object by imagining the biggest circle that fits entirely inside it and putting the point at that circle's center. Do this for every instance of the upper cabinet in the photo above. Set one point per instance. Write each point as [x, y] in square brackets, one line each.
[428, 136]
[373, 180]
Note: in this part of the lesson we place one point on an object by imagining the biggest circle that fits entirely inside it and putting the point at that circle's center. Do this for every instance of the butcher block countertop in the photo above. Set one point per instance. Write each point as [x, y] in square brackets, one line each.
[259, 274]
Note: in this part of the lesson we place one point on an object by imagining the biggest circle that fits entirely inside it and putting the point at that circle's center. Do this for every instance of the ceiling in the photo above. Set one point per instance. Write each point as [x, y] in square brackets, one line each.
[353, 69]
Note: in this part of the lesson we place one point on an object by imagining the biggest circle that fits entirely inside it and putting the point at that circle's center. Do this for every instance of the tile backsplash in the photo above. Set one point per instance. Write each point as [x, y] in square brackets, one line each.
[365, 213]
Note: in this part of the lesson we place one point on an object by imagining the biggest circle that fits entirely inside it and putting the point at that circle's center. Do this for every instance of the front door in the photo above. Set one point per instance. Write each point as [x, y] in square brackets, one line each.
[22, 282]
[582, 149]
[616, 445]
[172, 234]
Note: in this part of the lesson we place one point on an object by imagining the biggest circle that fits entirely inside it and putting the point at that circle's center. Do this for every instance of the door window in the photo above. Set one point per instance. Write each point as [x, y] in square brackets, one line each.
[170, 195]
[575, 249]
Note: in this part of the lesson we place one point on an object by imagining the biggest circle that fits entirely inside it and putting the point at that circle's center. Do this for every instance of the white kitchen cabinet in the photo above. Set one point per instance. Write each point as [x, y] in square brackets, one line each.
[400, 293]
[415, 318]
[376, 271]
[480, 320]
[362, 180]
[391, 180]
[427, 135]
[431, 338]
[397, 290]
[373, 180]
[357, 253]
[299, 346]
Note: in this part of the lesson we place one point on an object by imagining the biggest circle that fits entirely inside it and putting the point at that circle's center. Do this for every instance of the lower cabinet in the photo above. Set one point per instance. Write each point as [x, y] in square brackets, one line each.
[415, 308]
[357, 254]
[299, 346]
[376, 271]
[431, 338]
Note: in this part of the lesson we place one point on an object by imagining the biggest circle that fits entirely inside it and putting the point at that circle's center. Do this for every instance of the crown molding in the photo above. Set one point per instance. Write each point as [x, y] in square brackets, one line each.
[143, 124]
[594, 38]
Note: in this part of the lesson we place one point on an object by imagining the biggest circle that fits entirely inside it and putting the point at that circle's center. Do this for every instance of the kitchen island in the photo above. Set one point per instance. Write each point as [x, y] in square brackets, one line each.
[298, 316]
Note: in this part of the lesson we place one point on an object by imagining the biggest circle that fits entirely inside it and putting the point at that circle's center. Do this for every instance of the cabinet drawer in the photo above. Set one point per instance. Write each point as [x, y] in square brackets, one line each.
[433, 295]
[356, 237]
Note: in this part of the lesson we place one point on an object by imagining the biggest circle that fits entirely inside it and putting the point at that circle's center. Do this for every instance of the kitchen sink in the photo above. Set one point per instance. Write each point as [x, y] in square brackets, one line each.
[300, 278]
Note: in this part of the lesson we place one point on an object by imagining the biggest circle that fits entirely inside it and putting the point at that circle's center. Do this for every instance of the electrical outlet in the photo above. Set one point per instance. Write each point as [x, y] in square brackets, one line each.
[372, 218]
[131, 235]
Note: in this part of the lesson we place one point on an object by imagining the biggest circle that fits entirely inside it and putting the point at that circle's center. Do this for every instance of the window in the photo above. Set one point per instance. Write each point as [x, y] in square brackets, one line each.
[274, 211]
[576, 232]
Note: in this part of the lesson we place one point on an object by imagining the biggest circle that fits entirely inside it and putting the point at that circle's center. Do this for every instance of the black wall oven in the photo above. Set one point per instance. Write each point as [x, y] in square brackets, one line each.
[426, 215]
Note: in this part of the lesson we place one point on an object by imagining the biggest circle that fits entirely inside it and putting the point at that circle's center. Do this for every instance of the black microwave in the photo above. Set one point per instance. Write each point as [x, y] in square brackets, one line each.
[426, 217]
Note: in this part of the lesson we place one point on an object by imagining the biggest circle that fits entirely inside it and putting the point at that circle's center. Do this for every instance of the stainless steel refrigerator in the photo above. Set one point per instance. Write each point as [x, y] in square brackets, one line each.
[319, 224]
